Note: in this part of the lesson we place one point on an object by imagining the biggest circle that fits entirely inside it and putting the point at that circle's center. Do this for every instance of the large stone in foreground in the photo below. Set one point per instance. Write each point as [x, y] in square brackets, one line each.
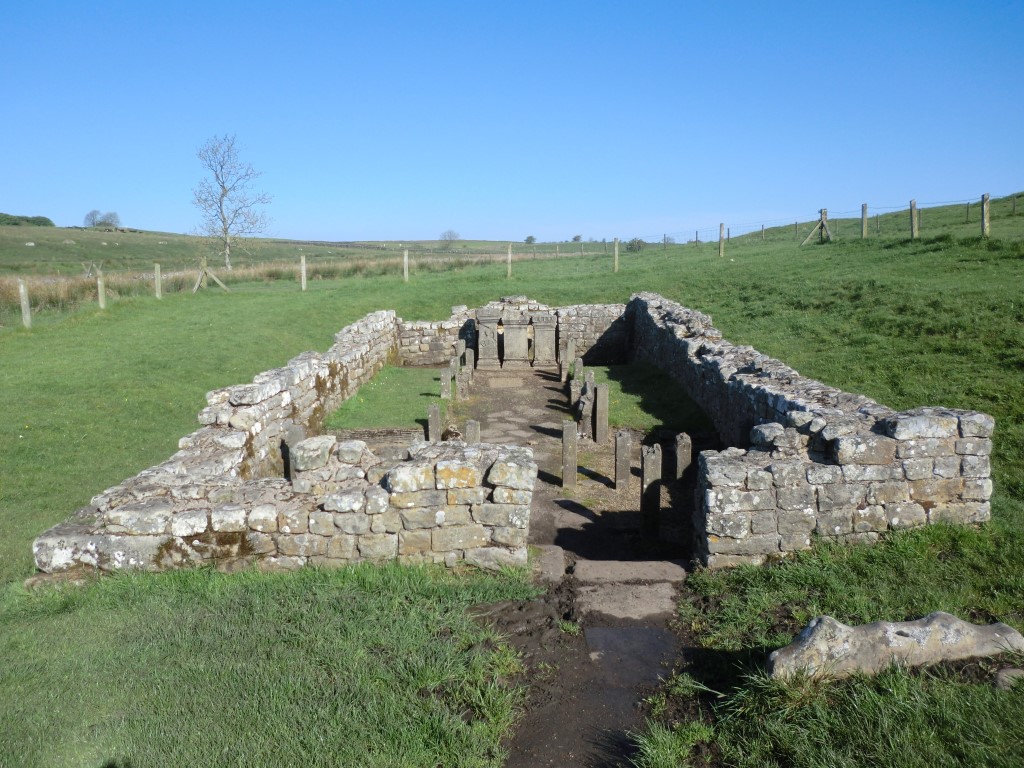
[827, 648]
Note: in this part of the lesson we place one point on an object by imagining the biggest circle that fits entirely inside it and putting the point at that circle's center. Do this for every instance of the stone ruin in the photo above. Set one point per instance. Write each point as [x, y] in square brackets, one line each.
[249, 487]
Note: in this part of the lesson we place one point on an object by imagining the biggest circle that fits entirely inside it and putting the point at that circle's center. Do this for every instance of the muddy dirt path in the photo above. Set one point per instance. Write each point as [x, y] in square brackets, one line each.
[598, 641]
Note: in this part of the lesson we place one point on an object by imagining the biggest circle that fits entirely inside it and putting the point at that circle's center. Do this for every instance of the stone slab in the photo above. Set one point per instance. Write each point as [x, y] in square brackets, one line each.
[620, 571]
[627, 601]
[550, 564]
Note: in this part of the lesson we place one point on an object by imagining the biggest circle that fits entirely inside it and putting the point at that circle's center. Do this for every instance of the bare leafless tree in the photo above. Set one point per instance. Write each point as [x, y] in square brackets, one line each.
[449, 236]
[228, 204]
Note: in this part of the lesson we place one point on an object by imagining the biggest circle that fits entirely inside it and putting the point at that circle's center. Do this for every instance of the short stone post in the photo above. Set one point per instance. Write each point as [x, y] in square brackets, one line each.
[650, 489]
[684, 454]
[487, 339]
[101, 290]
[453, 366]
[405, 266]
[985, 214]
[158, 282]
[569, 454]
[26, 308]
[623, 458]
[616, 267]
[470, 360]
[460, 351]
[863, 221]
[913, 220]
[434, 422]
[575, 391]
[446, 385]
[472, 431]
[601, 414]
[462, 379]
[302, 271]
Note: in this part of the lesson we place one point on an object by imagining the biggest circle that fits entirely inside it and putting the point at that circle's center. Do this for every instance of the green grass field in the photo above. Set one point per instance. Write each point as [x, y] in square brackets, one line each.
[92, 397]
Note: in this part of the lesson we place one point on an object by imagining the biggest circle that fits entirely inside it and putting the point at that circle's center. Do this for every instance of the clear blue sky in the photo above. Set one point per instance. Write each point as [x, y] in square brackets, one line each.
[398, 120]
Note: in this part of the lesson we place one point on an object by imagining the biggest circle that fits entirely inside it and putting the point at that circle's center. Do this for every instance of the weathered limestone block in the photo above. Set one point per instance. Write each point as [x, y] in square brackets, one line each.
[495, 558]
[509, 515]
[960, 513]
[192, 522]
[827, 648]
[346, 501]
[321, 522]
[139, 519]
[513, 470]
[377, 500]
[414, 542]
[509, 537]
[922, 422]
[349, 451]
[293, 520]
[927, 447]
[459, 537]
[735, 525]
[457, 474]
[311, 453]
[905, 515]
[467, 495]
[431, 498]
[864, 449]
[229, 518]
[871, 518]
[974, 424]
[835, 522]
[765, 544]
[352, 522]
[410, 476]
[262, 518]
[302, 545]
[503, 495]
[378, 546]
[799, 497]
[422, 517]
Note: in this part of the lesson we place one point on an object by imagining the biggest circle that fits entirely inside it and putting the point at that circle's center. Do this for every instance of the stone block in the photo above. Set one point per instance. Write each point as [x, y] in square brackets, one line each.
[496, 558]
[410, 476]
[229, 518]
[976, 425]
[732, 561]
[730, 500]
[796, 521]
[919, 469]
[735, 525]
[378, 546]
[513, 515]
[141, 518]
[794, 542]
[191, 522]
[723, 472]
[457, 514]
[857, 473]
[263, 518]
[801, 497]
[467, 496]
[412, 499]
[503, 495]
[509, 537]
[926, 448]
[788, 473]
[345, 501]
[841, 495]
[293, 521]
[422, 517]
[872, 518]
[935, 490]
[301, 545]
[974, 446]
[260, 543]
[864, 449]
[349, 451]
[889, 492]
[386, 522]
[457, 474]
[764, 522]
[311, 453]
[352, 522]
[905, 515]
[975, 489]
[759, 480]
[824, 474]
[513, 472]
[920, 423]
[459, 537]
[976, 466]
[751, 545]
[834, 522]
[377, 500]
[321, 522]
[413, 542]
[959, 513]
[946, 466]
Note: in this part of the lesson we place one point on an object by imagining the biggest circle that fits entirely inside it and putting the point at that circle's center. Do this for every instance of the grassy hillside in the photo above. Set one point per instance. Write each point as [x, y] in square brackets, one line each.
[91, 397]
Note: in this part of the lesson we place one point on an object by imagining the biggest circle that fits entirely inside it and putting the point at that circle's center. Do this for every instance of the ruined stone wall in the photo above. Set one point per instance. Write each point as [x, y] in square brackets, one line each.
[820, 462]
[601, 332]
[422, 342]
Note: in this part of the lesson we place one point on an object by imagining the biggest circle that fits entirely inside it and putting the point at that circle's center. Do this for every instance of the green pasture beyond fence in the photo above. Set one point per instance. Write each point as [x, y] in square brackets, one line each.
[69, 268]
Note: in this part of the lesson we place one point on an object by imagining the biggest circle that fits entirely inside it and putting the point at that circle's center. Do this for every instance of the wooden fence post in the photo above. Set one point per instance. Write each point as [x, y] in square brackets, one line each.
[26, 309]
[985, 213]
[913, 220]
[158, 281]
[762, 233]
[863, 221]
[101, 290]
[302, 271]
[721, 239]
[405, 266]
[967, 216]
[696, 237]
[615, 267]
[878, 225]
[796, 230]
[508, 263]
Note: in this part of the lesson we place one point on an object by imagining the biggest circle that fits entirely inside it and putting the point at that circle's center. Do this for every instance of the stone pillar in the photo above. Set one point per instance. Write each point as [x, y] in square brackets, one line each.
[568, 454]
[434, 423]
[684, 454]
[472, 431]
[578, 371]
[650, 489]
[462, 385]
[517, 342]
[575, 390]
[586, 406]
[460, 350]
[545, 353]
[623, 458]
[453, 367]
[487, 339]
[601, 414]
[567, 358]
[470, 360]
[446, 384]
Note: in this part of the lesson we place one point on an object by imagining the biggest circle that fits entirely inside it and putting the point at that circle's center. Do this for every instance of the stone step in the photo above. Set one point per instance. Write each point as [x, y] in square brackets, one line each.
[622, 571]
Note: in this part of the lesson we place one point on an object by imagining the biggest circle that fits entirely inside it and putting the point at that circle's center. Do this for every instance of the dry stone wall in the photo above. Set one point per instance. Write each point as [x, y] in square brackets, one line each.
[810, 460]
